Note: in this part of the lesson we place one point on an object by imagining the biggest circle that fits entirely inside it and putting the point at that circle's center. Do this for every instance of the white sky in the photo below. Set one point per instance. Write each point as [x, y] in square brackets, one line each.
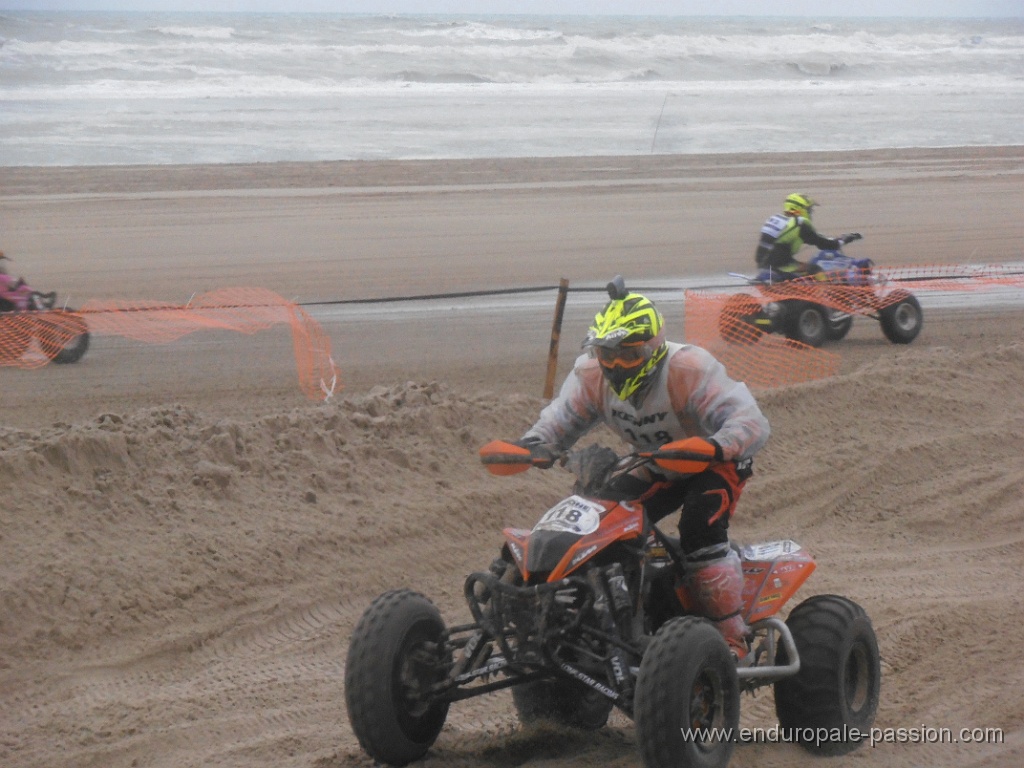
[817, 9]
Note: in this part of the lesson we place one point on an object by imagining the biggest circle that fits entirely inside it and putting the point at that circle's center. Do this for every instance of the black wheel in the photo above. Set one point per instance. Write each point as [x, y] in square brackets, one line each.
[73, 350]
[836, 689]
[736, 322]
[78, 343]
[837, 329]
[901, 321]
[395, 655]
[687, 686]
[562, 701]
[806, 323]
[62, 335]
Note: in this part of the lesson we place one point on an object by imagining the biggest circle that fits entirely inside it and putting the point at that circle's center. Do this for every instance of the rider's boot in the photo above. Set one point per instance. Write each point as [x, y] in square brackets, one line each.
[715, 581]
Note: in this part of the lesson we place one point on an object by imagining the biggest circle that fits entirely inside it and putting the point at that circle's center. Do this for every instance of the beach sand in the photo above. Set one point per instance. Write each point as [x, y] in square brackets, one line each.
[187, 542]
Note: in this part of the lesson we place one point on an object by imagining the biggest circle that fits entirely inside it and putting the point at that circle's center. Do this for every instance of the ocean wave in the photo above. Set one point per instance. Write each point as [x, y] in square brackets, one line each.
[477, 31]
[438, 77]
[642, 75]
[527, 54]
[190, 86]
[244, 86]
[818, 67]
[200, 33]
[524, 46]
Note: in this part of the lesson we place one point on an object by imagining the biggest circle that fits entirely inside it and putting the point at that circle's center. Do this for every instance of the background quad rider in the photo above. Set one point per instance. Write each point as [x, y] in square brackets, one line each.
[651, 392]
[784, 234]
[13, 289]
[8, 285]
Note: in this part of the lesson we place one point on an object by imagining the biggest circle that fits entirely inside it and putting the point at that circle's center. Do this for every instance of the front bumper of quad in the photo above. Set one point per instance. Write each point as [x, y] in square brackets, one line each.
[568, 628]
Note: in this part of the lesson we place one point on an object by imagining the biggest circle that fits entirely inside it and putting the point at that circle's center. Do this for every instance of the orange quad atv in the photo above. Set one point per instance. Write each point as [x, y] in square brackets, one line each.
[588, 611]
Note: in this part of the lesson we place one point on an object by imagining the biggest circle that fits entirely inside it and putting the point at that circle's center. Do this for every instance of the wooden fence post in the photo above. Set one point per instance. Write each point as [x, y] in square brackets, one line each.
[556, 332]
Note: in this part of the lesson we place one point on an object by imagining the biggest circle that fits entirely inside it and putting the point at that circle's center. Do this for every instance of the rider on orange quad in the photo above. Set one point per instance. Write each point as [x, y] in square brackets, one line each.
[649, 392]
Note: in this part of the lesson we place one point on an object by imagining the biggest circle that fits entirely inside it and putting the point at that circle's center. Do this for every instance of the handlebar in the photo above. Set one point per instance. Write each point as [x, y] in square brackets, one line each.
[688, 456]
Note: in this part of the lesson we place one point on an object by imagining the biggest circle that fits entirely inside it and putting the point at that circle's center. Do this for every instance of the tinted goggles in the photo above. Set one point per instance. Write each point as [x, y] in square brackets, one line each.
[630, 355]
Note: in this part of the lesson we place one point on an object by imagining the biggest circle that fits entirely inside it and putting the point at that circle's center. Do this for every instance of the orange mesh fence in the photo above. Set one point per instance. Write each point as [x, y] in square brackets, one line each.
[762, 361]
[721, 322]
[31, 339]
[954, 277]
[881, 288]
[855, 299]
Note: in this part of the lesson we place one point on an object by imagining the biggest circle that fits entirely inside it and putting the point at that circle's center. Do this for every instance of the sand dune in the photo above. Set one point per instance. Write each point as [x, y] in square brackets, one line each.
[179, 589]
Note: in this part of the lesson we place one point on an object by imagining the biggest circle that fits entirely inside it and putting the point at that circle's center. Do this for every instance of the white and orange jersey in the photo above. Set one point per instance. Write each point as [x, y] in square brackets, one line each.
[690, 396]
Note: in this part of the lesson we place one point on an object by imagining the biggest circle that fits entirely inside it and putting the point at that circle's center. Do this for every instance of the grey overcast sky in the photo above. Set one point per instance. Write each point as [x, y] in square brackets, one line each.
[816, 9]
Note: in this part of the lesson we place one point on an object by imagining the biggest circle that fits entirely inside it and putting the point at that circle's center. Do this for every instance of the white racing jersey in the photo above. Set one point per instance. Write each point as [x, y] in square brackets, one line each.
[690, 396]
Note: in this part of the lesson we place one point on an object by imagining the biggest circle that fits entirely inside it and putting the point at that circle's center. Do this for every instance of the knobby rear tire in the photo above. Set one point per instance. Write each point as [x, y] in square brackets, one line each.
[837, 687]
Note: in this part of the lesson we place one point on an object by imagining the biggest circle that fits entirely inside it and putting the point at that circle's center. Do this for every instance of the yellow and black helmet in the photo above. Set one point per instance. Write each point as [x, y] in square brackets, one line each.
[628, 340]
[799, 205]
